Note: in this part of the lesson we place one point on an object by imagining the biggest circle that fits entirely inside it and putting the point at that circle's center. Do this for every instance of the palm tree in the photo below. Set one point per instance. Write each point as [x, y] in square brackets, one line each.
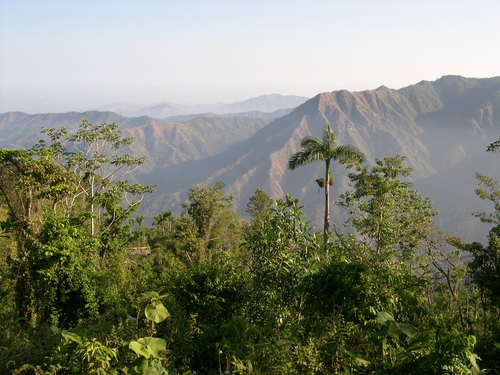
[324, 149]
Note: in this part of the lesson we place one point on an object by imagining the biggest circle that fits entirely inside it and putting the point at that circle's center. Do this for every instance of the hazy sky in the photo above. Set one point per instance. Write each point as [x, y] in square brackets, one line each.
[58, 55]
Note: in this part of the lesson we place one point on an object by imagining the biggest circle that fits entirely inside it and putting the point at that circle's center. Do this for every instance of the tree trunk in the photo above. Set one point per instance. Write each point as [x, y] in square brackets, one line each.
[326, 227]
[92, 219]
[23, 294]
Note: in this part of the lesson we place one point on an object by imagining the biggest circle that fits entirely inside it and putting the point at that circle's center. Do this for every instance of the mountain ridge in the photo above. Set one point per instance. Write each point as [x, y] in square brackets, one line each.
[263, 103]
[380, 122]
[440, 126]
[164, 143]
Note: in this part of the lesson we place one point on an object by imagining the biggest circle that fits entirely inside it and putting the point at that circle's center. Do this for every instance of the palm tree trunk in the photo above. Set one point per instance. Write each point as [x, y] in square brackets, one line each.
[326, 227]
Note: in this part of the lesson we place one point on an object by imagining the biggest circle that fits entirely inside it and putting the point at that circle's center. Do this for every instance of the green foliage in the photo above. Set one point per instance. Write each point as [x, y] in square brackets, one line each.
[54, 258]
[259, 205]
[154, 311]
[408, 351]
[60, 268]
[281, 251]
[390, 328]
[494, 147]
[226, 232]
[489, 191]
[77, 354]
[96, 357]
[80, 354]
[260, 300]
[203, 205]
[486, 263]
[56, 196]
[282, 245]
[36, 175]
[452, 353]
[7, 250]
[387, 210]
[96, 156]
[208, 207]
[148, 347]
[205, 298]
[325, 149]
[339, 287]
[177, 236]
[484, 270]
[485, 267]
[213, 291]
[356, 282]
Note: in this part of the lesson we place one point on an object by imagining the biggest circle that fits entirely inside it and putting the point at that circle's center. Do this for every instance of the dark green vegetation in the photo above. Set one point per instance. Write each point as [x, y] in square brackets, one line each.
[88, 288]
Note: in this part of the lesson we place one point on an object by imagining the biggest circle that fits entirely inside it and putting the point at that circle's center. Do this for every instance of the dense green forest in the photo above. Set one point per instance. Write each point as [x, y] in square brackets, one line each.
[89, 287]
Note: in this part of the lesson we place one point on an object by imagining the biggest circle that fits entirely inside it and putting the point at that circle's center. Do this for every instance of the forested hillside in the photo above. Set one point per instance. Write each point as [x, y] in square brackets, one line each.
[89, 288]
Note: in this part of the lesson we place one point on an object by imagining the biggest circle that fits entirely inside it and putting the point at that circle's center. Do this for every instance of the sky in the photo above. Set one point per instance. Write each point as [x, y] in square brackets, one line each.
[62, 55]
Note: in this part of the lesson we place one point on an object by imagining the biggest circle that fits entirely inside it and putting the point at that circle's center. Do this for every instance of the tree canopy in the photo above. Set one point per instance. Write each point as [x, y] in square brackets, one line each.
[88, 286]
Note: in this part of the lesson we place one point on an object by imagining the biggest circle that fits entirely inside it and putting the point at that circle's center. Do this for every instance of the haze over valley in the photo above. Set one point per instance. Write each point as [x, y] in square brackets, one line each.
[442, 127]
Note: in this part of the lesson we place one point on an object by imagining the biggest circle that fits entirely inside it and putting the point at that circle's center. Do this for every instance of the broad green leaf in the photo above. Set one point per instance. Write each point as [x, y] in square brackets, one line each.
[407, 329]
[156, 312]
[70, 336]
[421, 340]
[139, 349]
[148, 346]
[383, 317]
[394, 331]
[358, 360]
[155, 345]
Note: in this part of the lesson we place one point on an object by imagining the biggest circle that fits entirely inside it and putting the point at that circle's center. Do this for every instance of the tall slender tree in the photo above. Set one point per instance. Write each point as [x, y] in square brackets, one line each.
[325, 149]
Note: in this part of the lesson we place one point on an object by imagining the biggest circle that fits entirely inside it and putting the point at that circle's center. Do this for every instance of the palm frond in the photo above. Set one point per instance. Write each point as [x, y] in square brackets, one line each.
[310, 143]
[324, 149]
[303, 157]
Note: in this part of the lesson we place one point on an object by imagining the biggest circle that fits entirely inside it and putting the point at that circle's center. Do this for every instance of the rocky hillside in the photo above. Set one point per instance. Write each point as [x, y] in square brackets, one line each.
[443, 127]
[438, 125]
[164, 142]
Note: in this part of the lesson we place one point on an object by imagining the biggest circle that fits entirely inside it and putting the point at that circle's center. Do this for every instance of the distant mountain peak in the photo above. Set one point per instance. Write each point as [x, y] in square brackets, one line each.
[264, 103]
[453, 78]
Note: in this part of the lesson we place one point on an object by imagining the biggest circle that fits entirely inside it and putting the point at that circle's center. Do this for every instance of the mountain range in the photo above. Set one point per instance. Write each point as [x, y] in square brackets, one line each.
[442, 127]
[169, 111]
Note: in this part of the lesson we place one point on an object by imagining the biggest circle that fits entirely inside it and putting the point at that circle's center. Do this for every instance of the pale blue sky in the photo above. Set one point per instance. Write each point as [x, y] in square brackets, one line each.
[58, 55]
